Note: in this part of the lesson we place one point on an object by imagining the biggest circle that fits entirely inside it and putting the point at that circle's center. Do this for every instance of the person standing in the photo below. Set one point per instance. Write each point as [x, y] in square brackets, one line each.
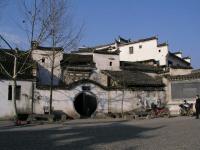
[197, 106]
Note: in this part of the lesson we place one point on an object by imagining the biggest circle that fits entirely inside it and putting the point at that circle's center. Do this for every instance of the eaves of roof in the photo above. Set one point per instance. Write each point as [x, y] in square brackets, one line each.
[140, 40]
[79, 82]
[134, 78]
[191, 76]
[181, 59]
[103, 45]
[162, 44]
[49, 48]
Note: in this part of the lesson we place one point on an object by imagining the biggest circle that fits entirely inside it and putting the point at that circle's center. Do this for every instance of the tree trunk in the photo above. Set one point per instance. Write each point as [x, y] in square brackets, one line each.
[51, 91]
[32, 101]
[122, 105]
[14, 97]
[51, 84]
[14, 85]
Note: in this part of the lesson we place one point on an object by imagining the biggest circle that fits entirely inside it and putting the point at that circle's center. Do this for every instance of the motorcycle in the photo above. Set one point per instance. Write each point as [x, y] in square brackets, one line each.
[186, 109]
[159, 111]
[22, 119]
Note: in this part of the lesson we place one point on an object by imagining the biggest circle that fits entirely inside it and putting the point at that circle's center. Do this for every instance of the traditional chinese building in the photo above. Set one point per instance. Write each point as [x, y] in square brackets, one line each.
[97, 80]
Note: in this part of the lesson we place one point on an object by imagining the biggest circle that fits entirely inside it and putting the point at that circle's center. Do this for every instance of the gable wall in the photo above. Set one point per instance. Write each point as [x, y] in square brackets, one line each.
[44, 69]
[148, 51]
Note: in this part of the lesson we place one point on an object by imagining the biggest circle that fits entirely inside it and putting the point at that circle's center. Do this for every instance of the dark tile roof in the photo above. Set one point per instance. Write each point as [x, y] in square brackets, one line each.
[103, 45]
[187, 57]
[8, 63]
[134, 78]
[35, 46]
[123, 40]
[181, 59]
[139, 66]
[147, 61]
[72, 85]
[181, 67]
[162, 44]
[147, 39]
[177, 52]
[194, 75]
[83, 50]
[49, 48]
[108, 51]
[141, 40]
[77, 60]
[196, 70]
[83, 81]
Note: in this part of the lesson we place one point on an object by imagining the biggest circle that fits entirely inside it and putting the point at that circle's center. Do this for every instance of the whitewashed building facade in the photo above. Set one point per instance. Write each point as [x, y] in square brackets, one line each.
[96, 80]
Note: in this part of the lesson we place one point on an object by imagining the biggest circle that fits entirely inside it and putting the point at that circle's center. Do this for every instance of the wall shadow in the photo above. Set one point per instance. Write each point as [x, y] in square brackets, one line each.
[73, 137]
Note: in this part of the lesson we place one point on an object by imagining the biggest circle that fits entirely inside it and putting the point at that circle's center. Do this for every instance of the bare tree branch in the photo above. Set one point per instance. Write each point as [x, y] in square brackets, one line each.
[5, 70]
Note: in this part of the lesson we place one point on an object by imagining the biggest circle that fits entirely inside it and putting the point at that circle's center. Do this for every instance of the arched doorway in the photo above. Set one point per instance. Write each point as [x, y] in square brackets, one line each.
[85, 104]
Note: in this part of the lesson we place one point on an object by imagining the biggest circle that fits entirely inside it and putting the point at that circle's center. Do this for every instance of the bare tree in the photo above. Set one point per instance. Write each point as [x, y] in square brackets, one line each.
[60, 31]
[15, 59]
[50, 22]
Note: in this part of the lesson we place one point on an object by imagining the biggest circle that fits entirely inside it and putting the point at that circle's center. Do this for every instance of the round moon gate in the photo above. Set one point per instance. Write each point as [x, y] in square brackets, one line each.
[85, 104]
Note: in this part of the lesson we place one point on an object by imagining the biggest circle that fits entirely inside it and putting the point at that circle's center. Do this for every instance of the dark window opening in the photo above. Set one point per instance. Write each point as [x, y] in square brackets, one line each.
[130, 50]
[110, 63]
[170, 63]
[18, 92]
[140, 46]
[43, 60]
[10, 92]
[108, 81]
[159, 50]
[86, 88]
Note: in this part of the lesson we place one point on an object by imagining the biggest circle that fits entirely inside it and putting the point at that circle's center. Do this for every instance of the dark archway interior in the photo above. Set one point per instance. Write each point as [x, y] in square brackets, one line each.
[85, 104]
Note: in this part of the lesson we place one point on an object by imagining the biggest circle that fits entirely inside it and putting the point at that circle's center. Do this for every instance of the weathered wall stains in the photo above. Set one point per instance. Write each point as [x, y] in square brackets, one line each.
[107, 101]
[23, 105]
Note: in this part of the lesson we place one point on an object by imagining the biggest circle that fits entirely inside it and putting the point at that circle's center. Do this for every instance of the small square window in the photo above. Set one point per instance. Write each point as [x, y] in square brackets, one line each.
[130, 50]
[159, 50]
[140, 46]
[110, 63]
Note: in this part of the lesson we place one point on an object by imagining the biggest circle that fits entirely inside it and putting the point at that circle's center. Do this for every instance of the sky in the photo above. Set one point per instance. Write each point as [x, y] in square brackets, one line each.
[174, 21]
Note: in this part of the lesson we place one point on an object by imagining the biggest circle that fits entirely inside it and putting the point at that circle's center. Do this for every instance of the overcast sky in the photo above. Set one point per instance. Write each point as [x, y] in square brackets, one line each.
[174, 21]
